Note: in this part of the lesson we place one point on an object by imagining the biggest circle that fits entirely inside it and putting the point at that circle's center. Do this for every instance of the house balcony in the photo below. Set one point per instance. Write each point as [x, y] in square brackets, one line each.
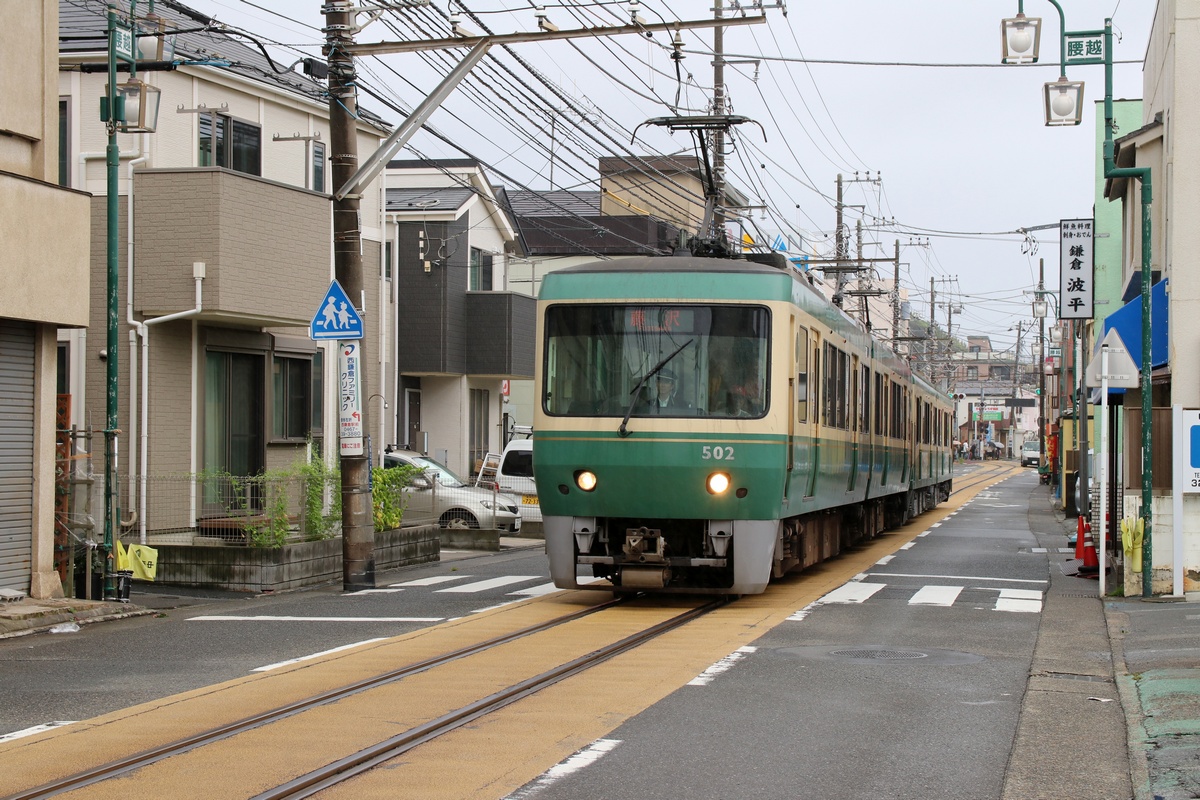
[503, 342]
[266, 246]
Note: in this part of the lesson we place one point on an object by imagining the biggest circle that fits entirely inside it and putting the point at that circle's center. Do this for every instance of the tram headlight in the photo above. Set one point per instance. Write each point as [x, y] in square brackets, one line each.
[717, 483]
[585, 479]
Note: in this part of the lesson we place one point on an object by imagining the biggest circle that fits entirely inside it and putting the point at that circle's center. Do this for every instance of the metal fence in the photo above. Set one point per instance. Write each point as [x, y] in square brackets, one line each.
[262, 510]
[271, 510]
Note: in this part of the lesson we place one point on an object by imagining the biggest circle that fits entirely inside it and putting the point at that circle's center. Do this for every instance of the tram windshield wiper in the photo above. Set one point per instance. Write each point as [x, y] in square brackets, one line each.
[629, 411]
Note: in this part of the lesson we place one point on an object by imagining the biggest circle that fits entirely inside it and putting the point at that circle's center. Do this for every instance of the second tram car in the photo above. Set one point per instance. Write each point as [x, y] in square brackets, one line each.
[705, 424]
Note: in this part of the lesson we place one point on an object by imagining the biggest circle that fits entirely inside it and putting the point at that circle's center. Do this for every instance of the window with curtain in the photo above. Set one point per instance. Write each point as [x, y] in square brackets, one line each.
[296, 397]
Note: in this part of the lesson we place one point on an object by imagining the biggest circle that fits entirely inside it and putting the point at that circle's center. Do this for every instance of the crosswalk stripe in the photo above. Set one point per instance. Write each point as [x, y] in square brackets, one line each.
[490, 583]
[537, 591]
[852, 593]
[935, 596]
[432, 581]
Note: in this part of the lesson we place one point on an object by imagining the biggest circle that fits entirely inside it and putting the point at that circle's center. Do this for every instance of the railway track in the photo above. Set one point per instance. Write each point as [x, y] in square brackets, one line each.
[981, 475]
[95, 780]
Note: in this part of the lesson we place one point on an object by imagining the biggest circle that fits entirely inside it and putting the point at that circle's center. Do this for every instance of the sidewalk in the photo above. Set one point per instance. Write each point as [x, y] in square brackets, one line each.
[27, 616]
[1073, 741]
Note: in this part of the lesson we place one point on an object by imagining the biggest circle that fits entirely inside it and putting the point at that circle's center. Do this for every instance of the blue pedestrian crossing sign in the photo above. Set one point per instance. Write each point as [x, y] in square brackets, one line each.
[336, 317]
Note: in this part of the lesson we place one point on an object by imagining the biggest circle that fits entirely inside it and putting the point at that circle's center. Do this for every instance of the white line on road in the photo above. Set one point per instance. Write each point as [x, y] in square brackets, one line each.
[266, 618]
[49, 726]
[1021, 600]
[935, 596]
[433, 581]
[909, 545]
[588, 755]
[954, 577]
[725, 664]
[884, 561]
[537, 591]
[373, 591]
[491, 583]
[279, 664]
[852, 593]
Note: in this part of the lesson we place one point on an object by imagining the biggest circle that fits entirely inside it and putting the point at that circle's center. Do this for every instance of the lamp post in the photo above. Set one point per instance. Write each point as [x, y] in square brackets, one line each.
[1095, 47]
[131, 107]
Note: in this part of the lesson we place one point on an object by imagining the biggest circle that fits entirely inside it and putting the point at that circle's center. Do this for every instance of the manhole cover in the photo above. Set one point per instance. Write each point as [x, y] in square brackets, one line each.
[882, 655]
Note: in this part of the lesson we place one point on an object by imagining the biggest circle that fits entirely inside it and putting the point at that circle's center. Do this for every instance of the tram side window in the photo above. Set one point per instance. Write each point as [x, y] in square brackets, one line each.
[801, 375]
[880, 403]
[894, 408]
[864, 403]
[835, 401]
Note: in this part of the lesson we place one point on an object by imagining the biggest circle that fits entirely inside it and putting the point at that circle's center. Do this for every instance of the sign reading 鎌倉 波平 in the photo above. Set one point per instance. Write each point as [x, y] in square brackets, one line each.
[1076, 276]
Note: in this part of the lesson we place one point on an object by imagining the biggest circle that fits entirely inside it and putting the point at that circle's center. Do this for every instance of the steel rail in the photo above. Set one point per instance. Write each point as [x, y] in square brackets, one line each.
[368, 758]
[992, 472]
[127, 764]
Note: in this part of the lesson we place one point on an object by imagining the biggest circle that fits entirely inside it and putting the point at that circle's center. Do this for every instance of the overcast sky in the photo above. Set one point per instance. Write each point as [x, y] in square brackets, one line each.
[917, 98]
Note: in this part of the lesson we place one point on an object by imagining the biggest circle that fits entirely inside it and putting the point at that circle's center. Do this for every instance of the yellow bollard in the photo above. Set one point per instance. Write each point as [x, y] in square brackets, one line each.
[1132, 531]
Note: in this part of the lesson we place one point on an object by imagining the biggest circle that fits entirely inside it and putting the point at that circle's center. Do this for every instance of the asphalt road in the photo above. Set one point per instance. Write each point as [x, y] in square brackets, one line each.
[902, 689]
[201, 638]
[905, 682]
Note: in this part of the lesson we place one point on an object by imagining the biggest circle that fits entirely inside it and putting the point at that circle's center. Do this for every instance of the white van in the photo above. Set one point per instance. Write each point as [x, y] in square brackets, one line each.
[514, 476]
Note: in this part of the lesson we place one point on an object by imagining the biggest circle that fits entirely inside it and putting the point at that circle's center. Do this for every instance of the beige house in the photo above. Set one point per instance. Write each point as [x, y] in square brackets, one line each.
[1168, 143]
[225, 251]
[43, 291]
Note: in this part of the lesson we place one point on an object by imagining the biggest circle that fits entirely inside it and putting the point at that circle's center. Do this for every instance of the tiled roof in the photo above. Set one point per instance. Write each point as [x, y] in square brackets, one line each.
[82, 26]
[557, 203]
[424, 199]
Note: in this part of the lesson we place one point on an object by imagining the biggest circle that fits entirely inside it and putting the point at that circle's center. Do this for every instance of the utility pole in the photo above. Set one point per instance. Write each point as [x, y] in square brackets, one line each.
[1012, 415]
[929, 354]
[896, 301]
[719, 111]
[358, 524]
[1041, 367]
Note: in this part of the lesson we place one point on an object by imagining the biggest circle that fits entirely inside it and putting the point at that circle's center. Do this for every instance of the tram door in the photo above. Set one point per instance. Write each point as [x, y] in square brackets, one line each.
[853, 423]
[815, 406]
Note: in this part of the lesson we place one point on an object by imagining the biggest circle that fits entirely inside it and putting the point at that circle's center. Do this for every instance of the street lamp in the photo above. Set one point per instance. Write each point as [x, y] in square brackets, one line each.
[1063, 99]
[1022, 36]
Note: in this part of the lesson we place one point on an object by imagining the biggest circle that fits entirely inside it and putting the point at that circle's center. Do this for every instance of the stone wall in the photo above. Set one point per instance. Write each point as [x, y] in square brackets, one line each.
[256, 569]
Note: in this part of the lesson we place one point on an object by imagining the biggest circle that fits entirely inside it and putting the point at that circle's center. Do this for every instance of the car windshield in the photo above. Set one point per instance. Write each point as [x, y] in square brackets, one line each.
[441, 473]
[710, 360]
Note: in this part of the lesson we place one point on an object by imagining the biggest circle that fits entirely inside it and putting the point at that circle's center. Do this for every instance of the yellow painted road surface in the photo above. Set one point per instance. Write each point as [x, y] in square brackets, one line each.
[488, 758]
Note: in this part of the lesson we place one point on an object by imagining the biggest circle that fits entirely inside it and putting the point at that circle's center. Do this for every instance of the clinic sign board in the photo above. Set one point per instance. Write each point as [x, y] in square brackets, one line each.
[1076, 286]
[350, 418]
[1187, 451]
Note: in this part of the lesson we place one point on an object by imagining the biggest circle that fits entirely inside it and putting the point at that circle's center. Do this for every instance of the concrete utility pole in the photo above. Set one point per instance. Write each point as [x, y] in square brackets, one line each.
[718, 110]
[1041, 367]
[358, 524]
[1012, 412]
[896, 301]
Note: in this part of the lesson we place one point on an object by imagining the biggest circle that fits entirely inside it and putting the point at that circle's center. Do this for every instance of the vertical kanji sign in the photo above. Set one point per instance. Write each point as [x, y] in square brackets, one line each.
[1077, 276]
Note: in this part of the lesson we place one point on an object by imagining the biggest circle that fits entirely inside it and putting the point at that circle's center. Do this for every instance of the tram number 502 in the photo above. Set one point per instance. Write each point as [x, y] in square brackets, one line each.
[718, 453]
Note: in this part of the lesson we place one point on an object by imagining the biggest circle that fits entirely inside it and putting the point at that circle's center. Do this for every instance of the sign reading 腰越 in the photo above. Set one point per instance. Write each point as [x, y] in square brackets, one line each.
[336, 317]
[1076, 276]
[1084, 47]
[350, 427]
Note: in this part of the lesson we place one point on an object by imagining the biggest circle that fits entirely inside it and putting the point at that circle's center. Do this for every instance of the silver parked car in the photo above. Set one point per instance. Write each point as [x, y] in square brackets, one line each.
[438, 495]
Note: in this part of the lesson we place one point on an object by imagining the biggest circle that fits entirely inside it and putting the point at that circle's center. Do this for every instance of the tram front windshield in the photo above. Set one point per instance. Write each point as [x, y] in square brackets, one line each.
[712, 361]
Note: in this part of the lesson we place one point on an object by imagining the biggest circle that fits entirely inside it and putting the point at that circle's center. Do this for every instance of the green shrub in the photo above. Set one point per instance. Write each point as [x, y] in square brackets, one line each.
[387, 495]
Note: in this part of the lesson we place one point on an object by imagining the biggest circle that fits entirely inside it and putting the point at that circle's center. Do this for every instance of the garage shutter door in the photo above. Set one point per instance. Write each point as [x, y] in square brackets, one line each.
[16, 454]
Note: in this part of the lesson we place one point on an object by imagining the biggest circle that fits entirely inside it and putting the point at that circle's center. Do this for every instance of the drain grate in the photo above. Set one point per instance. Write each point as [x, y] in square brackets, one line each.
[1086, 595]
[882, 655]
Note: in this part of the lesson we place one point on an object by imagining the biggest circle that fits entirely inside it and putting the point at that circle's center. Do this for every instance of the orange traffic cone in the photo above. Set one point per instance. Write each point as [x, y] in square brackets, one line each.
[1079, 539]
[1090, 560]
